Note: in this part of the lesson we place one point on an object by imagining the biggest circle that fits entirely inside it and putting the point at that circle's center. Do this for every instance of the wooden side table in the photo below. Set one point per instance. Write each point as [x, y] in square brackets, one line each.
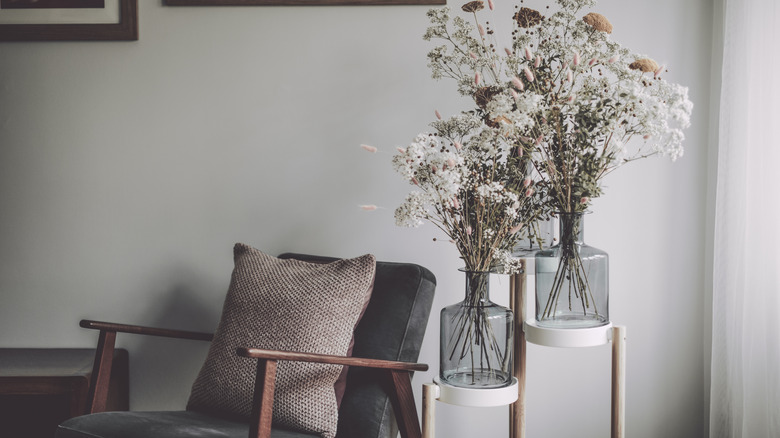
[41, 387]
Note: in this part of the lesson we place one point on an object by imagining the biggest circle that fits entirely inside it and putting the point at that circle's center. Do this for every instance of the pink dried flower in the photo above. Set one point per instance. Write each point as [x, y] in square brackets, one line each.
[527, 182]
[368, 207]
[576, 58]
[538, 61]
[481, 29]
[508, 51]
[613, 59]
[569, 76]
[400, 149]
[646, 136]
[518, 83]
[519, 151]
[451, 163]
[584, 200]
[455, 203]
[529, 191]
[592, 61]
[570, 99]
[658, 72]
[528, 74]
[490, 4]
[528, 54]
[472, 55]
[515, 96]
[469, 230]
[371, 149]
[415, 182]
[438, 114]
[477, 78]
[457, 145]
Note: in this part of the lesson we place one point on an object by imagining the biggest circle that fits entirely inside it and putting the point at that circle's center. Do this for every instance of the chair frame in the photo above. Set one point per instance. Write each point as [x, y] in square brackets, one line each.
[396, 375]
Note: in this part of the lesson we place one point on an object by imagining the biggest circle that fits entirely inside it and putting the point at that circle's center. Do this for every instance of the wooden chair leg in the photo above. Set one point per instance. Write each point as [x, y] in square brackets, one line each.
[101, 372]
[403, 404]
[263, 401]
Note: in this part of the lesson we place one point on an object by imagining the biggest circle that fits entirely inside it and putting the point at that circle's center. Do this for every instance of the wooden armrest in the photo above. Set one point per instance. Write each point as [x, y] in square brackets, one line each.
[258, 353]
[101, 370]
[140, 330]
[396, 375]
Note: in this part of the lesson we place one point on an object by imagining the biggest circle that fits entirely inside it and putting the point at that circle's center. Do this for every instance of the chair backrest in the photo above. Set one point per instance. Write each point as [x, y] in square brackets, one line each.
[392, 328]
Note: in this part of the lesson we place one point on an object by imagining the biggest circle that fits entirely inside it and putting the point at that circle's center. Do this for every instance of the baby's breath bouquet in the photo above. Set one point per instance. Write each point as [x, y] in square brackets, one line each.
[470, 184]
[565, 101]
[473, 185]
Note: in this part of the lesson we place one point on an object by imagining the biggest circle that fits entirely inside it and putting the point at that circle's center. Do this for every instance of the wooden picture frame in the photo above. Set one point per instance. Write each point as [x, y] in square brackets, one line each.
[125, 29]
[300, 2]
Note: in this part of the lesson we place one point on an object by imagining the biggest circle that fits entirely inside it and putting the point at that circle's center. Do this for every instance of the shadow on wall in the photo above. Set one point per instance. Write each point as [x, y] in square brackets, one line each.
[162, 370]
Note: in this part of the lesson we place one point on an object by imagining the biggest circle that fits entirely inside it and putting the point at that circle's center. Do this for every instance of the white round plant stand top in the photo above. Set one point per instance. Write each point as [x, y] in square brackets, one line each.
[567, 337]
[474, 397]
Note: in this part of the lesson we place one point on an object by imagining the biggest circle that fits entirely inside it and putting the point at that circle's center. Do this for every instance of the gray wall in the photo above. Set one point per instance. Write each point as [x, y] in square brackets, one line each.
[129, 169]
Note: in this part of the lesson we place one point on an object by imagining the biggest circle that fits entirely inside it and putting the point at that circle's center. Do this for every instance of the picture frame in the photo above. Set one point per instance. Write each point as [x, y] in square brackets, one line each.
[117, 20]
[300, 2]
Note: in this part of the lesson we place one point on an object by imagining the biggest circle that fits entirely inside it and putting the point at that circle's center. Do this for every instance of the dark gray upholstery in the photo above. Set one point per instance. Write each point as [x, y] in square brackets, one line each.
[177, 424]
[392, 328]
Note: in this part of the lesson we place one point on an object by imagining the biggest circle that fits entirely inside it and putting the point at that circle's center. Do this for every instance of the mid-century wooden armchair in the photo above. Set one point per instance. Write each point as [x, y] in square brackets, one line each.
[377, 402]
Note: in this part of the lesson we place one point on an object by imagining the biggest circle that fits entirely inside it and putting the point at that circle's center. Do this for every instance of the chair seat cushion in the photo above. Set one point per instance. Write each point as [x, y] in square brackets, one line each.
[177, 424]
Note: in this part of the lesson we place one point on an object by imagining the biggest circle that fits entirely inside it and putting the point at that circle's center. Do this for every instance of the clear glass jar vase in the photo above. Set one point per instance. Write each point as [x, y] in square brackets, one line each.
[476, 338]
[572, 280]
[538, 236]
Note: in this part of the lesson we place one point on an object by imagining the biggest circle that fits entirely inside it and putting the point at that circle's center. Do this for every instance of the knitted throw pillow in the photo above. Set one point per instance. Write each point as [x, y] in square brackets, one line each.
[284, 305]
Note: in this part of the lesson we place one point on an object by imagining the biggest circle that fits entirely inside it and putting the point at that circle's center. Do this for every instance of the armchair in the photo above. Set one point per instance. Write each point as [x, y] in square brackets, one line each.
[377, 402]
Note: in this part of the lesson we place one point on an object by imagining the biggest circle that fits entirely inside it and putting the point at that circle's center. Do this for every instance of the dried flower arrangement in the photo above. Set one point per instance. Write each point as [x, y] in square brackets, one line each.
[556, 107]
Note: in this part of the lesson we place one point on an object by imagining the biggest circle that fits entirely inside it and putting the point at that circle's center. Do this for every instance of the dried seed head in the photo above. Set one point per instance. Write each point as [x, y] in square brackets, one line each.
[645, 65]
[527, 17]
[473, 6]
[598, 22]
[484, 95]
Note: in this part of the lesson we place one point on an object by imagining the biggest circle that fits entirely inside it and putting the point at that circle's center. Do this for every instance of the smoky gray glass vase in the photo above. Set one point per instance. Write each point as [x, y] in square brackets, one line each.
[572, 280]
[476, 338]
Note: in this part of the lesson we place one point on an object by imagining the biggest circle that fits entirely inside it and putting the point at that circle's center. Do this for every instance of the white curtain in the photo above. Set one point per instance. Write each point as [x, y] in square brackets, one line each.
[745, 386]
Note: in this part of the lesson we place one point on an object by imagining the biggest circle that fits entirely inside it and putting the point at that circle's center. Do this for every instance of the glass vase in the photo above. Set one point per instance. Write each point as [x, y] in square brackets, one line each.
[572, 280]
[539, 235]
[476, 338]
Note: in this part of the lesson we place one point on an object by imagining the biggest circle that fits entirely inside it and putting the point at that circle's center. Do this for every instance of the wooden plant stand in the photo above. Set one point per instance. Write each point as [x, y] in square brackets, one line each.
[514, 395]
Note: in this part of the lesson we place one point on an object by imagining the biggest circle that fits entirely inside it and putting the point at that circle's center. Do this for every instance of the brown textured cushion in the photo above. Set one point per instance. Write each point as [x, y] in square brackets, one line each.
[284, 305]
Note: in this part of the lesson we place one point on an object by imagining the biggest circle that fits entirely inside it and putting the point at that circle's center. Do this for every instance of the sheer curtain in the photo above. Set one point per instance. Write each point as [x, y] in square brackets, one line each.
[745, 386]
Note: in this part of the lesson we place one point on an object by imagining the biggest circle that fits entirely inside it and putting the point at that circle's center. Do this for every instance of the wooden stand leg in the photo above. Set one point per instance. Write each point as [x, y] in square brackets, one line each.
[429, 397]
[517, 292]
[618, 382]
